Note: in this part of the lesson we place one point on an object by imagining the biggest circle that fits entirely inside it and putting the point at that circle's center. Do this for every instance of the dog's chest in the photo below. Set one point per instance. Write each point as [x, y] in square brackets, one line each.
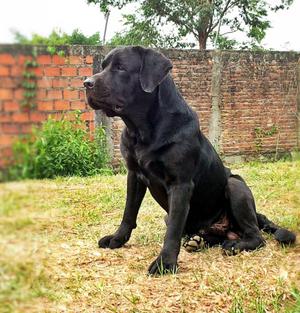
[149, 167]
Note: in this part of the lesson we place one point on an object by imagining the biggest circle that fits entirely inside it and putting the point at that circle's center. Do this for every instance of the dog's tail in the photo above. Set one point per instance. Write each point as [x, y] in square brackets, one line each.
[282, 235]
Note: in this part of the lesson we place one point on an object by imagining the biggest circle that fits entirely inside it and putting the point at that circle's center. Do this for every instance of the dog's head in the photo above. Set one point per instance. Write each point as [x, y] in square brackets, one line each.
[128, 74]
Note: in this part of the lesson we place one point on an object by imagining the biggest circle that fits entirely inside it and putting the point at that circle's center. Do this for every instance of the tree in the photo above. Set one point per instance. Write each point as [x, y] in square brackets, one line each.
[144, 32]
[208, 19]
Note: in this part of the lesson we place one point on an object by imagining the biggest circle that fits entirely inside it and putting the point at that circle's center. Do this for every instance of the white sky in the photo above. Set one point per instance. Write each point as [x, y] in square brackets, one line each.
[41, 16]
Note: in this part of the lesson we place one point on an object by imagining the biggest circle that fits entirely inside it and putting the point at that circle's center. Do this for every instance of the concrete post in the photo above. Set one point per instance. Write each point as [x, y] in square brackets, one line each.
[214, 131]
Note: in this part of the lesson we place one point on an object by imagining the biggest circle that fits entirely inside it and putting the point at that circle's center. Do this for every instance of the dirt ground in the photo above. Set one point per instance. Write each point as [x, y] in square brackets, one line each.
[50, 262]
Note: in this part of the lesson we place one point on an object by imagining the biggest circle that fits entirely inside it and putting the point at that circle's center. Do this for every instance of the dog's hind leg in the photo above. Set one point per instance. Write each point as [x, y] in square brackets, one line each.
[243, 214]
[282, 235]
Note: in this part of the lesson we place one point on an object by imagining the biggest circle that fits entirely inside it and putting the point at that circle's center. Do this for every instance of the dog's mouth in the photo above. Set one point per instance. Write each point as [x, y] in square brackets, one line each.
[106, 107]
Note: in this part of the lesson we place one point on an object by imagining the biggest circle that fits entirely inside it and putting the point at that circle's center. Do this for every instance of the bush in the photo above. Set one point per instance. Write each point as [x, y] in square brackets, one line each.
[57, 38]
[60, 148]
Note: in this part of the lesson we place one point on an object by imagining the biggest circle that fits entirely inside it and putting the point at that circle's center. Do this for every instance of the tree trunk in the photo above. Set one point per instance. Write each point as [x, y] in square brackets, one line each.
[202, 39]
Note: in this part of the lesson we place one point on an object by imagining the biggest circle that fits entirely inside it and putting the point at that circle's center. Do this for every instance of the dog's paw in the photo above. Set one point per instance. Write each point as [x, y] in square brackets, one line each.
[194, 243]
[231, 247]
[162, 266]
[111, 242]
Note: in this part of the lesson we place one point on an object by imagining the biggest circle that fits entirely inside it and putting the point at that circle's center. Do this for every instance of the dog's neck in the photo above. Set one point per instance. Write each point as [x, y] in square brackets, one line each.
[138, 122]
[159, 114]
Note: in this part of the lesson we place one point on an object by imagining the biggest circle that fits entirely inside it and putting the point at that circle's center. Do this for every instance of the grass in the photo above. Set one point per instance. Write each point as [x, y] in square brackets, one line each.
[49, 260]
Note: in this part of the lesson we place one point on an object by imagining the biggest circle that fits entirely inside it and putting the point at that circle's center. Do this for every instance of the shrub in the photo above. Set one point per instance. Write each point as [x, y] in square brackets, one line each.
[57, 38]
[60, 148]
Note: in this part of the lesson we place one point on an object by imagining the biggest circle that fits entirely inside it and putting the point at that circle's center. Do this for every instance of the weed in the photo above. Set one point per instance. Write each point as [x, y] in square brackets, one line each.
[295, 308]
[60, 148]
[237, 306]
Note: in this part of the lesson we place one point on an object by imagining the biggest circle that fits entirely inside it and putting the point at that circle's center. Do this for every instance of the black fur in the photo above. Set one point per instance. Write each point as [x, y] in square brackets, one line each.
[166, 152]
[282, 235]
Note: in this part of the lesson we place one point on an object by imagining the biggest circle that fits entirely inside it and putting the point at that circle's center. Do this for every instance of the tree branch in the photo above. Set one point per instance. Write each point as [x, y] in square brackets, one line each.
[230, 32]
[229, 4]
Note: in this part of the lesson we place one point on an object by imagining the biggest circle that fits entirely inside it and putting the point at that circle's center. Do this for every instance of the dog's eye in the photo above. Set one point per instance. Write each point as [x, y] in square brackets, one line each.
[120, 67]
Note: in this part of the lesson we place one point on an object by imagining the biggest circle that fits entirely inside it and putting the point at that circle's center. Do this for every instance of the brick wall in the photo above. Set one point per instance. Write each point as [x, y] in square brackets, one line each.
[258, 98]
[59, 89]
[256, 95]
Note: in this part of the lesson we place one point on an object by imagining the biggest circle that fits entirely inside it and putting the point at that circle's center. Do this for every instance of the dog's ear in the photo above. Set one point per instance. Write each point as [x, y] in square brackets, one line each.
[154, 69]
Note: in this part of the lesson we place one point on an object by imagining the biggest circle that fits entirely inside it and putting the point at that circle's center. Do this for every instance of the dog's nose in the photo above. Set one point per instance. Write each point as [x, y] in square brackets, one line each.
[89, 83]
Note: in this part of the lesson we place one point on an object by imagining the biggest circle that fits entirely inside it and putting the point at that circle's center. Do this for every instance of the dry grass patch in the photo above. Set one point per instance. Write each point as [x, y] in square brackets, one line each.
[49, 260]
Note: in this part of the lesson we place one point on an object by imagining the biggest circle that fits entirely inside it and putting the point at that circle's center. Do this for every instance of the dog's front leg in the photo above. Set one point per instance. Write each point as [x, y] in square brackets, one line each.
[135, 193]
[179, 204]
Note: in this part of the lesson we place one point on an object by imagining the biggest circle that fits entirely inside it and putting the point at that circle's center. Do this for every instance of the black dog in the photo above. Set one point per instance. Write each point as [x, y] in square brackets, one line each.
[166, 152]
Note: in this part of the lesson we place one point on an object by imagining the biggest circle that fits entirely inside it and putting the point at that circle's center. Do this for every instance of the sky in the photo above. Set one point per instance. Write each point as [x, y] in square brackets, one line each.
[42, 16]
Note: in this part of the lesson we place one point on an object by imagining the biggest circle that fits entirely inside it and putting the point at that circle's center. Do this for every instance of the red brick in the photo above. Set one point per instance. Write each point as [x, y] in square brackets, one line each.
[76, 83]
[45, 105]
[16, 70]
[6, 140]
[89, 59]
[4, 70]
[52, 71]
[5, 117]
[23, 58]
[44, 82]
[87, 116]
[71, 117]
[37, 116]
[78, 105]
[6, 152]
[7, 59]
[69, 71]
[26, 128]
[38, 71]
[61, 105]
[70, 94]
[91, 126]
[82, 95]
[6, 94]
[54, 94]
[9, 128]
[7, 82]
[85, 71]
[58, 60]
[10, 106]
[20, 117]
[19, 94]
[74, 59]
[60, 83]
[41, 94]
[44, 59]
[57, 116]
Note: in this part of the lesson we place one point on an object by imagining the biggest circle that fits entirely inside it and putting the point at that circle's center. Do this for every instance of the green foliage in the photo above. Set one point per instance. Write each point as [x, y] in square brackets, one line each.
[29, 83]
[207, 19]
[224, 43]
[260, 134]
[60, 148]
[59, 38]
[296, 306]
[145, 33]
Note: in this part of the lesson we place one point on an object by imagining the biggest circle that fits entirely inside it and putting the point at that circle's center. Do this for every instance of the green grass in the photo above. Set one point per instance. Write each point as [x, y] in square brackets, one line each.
[49, 260]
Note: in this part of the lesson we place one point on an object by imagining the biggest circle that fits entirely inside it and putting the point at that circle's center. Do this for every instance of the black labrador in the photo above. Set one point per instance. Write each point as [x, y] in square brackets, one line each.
[166, 152]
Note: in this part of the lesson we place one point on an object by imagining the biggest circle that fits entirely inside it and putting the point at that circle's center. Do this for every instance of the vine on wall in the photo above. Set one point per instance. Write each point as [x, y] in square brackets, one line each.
[261, 133]
[29, 83]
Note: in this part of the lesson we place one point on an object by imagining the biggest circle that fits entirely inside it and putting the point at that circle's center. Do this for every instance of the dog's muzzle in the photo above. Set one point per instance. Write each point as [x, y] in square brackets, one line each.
[89, 83]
